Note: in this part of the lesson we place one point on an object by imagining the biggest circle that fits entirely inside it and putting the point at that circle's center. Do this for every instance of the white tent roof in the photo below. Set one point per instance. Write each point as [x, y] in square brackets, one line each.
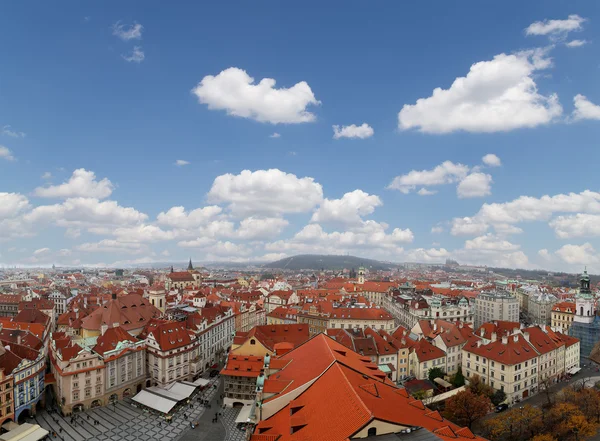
[25, 432]
[243, 415]
[182, 390]
[201, 382]
[154, 401]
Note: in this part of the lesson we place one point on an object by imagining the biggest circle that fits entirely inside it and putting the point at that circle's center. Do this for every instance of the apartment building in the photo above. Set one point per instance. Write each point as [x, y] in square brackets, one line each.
[424, 356]
[562, 316]
[540, 307]
[496, 305]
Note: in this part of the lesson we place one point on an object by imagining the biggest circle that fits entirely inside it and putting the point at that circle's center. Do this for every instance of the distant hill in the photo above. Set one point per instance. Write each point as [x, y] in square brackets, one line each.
[317, 262]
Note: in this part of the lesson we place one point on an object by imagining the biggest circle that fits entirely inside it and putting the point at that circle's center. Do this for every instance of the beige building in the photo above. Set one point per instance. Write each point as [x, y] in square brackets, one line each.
[540, 306]
[562, 316]
[93, 375]
[424, 356]
[498, 305]
[280, 298]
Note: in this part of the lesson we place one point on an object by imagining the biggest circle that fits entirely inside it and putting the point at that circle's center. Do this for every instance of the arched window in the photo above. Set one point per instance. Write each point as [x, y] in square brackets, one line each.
[161, 303]
[581, 308]
[252, 342]
[372, 431]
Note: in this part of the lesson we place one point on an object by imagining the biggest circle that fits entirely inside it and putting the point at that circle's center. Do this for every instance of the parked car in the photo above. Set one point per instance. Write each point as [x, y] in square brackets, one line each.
[501, 407]
[214, 373]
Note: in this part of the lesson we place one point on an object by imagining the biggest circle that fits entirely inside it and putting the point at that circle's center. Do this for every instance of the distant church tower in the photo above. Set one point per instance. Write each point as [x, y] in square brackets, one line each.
[361, 275]
[585, 302]
[190, 266]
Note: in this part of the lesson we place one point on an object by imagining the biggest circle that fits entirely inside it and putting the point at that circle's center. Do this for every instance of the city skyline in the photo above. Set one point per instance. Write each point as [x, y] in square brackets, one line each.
[131, 136]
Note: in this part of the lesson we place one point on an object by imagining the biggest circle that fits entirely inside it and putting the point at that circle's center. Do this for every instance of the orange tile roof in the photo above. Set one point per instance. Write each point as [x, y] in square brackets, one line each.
[425, 351]
[243, 365]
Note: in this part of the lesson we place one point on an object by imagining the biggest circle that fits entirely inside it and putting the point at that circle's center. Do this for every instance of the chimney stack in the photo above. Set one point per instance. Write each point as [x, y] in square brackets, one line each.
[494, 336]
[526, 335]
[504, 340]
[516, 338]
[103, 328]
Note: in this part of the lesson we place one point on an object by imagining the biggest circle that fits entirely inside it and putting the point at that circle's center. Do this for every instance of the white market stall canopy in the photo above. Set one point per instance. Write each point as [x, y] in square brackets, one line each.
[154, 401]
[25, 432]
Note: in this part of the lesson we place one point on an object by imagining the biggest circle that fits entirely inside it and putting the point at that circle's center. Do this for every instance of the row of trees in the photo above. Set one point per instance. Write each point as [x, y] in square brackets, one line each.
[573, 416]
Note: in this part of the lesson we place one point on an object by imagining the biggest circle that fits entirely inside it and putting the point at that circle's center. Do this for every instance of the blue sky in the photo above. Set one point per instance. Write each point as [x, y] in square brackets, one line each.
[98, 102]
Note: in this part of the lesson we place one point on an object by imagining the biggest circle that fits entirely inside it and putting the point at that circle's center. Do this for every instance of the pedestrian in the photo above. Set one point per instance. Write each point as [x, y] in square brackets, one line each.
[88, 417]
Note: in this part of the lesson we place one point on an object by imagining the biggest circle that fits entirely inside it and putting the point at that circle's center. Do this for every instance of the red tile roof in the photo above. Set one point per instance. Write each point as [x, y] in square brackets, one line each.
[243, 365]
[425, 351]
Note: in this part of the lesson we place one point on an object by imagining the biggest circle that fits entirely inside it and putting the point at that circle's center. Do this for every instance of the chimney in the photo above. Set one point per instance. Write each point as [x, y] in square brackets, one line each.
[434, 326]
[526, 335]
[76, 310]
[85, 301]
[504, 340]
[19, 339]
[522, 326]
[116, 325]
[482, 332]
[516, 338]
[515, 330]
[103, 328]
[478, 343]
[494, 336]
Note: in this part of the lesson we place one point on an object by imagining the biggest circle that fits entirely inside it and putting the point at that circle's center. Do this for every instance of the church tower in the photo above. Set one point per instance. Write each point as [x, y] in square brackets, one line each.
[190, 266]
[361, 275]
[585, 302]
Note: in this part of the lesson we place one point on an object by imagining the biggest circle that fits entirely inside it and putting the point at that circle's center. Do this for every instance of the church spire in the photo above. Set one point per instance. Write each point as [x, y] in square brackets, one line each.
[190, 266]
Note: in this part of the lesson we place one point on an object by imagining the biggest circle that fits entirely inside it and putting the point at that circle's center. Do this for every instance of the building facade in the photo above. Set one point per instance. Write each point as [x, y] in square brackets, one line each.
[497, 305]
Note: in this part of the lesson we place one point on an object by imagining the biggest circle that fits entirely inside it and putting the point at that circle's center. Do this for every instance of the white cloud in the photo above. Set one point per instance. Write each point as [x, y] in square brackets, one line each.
[467, 226]
[82, 183]
[265, 192]
[143, 233]
[165, 253]
[585, 109]
[64, 252]
[136, 56]
[490, 242]
[370, 237]
[112, 246]
[545, 254]
[446, 173]
[578, 254]
[128, 32]
[506, 229]
[73, 233]
[437, 230]
[199, 242]
[526, 209]
[234, 91]
[12, 204]
[5, 153]
[556, 28]
[47, 175]
[578, 225]
[348, 210]
[353, 131]
[576, 43]
[275, 135]
[8, 131]
[495, 96]
[491, 160]
[177, 217]
[181, 162]
[253, 228]
[422, 255]
[426, 192]
[474, 185]
[41, 251]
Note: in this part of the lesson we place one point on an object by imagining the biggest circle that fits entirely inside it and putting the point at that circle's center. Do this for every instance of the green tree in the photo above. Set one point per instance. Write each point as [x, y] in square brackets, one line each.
[465, 408]
[498, 397]
[435, 372]
[458, 380]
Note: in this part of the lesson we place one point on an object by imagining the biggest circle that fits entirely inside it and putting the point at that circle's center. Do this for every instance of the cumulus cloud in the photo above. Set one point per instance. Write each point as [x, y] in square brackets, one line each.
[177, 217]
[496, 95]
[253, 228]
[275, 135]
[265, 192]
[127, 32]
[47, 175]
[578, 254]
[349, 209]
[578, 225]
[426, 192]
[527, 209]
[5, 153]
[41, 251]
[491, 160]
[474, 185]
[489, 242]
[446, 173]
[12, 204]
[234, 91]
[556, 29]
[353, 131]
[82, 183]
[576, 43]
[112, 246]
[437, 230]
[136, 56]
[181, 162]
[585, 109]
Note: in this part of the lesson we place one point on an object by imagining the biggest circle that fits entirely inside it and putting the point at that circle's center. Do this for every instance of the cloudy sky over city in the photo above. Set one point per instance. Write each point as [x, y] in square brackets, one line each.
[403, 131]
